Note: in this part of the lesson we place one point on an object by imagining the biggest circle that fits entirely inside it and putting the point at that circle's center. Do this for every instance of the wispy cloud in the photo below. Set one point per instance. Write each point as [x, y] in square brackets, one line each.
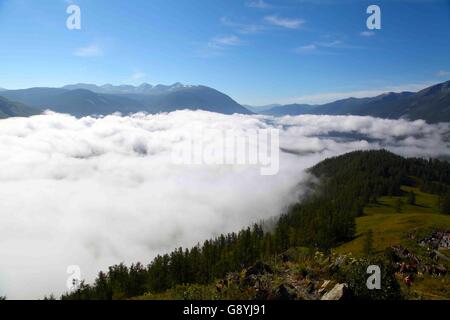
[331, 44]
[289, 23]
[443, 73]
[225, 41]
[367, 33]
[306, 49]
[316, 47]
[242, 28]
[258, 4]
[92, 50]
[138, 75]
[218, 46]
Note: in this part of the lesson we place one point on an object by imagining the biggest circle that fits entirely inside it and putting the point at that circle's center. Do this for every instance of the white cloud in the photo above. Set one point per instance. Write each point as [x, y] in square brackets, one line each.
[315, 46]
[331, 44]
[284, 22]
[138, 76]
[242, 28]
[225, 41]
[258, 4]
[218, 46]
[306, 49]
[367, 33]
[97, 191]
[443, 73]
[92, 50]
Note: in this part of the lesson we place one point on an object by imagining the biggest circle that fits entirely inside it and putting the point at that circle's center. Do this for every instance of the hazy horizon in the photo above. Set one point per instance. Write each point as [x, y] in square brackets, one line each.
[312, 99]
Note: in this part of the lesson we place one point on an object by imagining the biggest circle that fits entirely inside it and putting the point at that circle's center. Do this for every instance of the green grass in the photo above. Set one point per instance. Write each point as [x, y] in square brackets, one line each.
[391, 228]
[428, 288]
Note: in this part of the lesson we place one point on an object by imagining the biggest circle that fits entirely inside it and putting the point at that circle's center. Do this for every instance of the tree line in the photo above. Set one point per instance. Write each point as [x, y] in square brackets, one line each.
[325, 219]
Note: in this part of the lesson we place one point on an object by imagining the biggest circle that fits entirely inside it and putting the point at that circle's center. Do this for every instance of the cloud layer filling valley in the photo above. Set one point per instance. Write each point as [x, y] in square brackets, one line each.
[98, 191]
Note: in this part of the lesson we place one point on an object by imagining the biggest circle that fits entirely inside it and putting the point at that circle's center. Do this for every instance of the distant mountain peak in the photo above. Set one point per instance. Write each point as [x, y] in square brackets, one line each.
[442, 88]
[145, 85]
[144, 88]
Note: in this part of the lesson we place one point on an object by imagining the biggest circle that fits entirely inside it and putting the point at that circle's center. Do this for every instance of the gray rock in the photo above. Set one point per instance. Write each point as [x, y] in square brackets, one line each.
[339, 292]
[285, 292]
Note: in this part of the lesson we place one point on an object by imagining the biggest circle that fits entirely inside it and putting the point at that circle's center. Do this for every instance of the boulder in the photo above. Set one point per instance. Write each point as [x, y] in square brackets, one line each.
[284, 292]
[257, 269]
[339, 292]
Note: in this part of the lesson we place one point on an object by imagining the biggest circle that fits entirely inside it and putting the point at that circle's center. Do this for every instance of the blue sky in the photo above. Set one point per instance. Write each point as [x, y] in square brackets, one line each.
[258, 52]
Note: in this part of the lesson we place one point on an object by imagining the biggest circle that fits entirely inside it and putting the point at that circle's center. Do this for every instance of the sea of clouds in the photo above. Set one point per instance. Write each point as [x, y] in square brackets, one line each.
[94, 192]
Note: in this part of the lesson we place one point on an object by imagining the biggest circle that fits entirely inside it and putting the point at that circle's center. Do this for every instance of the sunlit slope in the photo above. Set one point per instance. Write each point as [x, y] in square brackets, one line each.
[391, 227]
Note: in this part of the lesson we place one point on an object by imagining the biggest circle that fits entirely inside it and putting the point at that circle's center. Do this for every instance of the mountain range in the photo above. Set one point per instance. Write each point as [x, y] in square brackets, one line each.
[431, 104]
[261, 109]
[13, 109]
[144, 88]
[87, 99]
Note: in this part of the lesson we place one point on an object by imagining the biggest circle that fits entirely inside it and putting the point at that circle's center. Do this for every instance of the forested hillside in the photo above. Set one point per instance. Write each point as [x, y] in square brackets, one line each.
[15, 109]
[326, 219]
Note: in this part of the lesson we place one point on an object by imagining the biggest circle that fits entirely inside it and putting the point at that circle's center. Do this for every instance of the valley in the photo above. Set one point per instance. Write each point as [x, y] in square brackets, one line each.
[321, 247]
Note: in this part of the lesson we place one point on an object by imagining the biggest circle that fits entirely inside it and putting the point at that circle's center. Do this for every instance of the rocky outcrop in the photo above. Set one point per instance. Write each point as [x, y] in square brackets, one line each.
[339, 292]
[284, 292]
[257, 269]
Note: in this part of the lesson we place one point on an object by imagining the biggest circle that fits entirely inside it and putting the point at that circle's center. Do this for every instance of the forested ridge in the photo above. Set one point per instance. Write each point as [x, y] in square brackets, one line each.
[325, 219]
